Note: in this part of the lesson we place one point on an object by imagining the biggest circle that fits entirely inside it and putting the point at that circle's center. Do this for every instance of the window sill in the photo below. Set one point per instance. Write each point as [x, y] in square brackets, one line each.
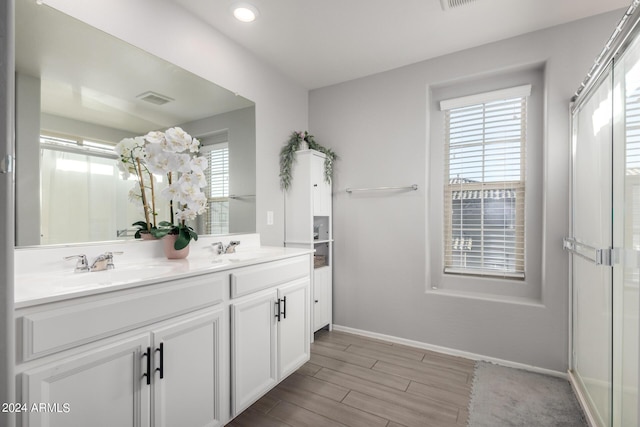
[531, 302]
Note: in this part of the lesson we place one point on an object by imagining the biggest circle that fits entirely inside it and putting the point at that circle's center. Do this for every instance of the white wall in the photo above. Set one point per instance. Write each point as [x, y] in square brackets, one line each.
[378, 125]
[164, 29]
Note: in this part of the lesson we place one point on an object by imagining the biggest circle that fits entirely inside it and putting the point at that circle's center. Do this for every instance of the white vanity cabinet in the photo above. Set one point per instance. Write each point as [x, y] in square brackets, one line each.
[98, 387]
[192, 351]
[157, 373]
[270, 328]
[187, 374]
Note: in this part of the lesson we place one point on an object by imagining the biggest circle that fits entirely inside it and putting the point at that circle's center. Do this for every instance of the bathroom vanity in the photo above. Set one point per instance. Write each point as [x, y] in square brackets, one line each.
[156, 342]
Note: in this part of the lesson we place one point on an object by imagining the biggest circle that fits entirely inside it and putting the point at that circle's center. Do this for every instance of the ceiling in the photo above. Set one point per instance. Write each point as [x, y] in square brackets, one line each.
[323, 42]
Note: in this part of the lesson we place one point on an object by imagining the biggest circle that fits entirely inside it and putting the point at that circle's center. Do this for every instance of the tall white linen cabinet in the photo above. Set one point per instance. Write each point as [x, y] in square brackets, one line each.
[308, 224]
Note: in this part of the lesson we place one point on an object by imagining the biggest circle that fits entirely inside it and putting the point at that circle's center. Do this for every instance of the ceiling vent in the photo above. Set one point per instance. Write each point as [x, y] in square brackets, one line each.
[450, 4]
[154, 98]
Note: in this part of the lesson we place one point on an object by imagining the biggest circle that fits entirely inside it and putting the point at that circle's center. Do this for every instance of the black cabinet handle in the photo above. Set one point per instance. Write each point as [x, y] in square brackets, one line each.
[161, 368]
[147, 374]
[278, 309]
[315, 185]
[284, 304]
[315, 301]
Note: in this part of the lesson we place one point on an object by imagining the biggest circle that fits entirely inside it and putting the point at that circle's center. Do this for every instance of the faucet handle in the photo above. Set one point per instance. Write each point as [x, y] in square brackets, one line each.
[82, 264]
[109, 256]
[218, 247]
[231, 248]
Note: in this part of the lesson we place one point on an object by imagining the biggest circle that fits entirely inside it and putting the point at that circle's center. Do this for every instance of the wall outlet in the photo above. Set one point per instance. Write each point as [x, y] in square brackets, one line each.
[269, 217]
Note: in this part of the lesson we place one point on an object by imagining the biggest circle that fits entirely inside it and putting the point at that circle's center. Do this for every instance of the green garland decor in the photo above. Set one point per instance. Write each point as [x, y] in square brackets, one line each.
[288, 157]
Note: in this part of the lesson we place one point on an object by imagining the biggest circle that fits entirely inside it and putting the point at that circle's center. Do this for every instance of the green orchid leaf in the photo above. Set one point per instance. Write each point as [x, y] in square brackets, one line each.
[159, 233]
[183, 240]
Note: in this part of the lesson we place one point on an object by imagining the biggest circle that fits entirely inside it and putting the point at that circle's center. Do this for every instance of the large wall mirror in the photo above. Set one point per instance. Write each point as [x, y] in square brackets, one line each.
[79, 92]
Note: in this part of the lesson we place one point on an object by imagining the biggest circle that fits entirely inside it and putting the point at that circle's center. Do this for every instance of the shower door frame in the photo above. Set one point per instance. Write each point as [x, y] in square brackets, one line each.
[626, 32]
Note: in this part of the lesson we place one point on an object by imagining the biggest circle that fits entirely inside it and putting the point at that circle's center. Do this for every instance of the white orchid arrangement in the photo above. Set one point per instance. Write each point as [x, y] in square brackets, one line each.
[172, 153]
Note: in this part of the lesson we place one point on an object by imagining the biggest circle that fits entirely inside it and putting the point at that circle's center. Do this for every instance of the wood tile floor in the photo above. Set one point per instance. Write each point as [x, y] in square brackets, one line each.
[361, 382]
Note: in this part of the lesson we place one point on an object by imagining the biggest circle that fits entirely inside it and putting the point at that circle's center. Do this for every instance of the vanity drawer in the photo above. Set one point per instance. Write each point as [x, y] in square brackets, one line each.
[48, 331]
[262, 276]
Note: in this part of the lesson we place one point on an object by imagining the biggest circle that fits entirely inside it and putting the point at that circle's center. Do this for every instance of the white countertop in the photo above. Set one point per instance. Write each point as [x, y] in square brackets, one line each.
[37, 286]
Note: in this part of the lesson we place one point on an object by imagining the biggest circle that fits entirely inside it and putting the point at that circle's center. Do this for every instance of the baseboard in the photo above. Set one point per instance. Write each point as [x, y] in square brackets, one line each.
[582, 400]
[450, 351]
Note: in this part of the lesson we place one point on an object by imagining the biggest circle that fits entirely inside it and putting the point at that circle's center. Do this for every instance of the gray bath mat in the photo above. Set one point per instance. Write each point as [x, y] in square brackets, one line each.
[513, 397]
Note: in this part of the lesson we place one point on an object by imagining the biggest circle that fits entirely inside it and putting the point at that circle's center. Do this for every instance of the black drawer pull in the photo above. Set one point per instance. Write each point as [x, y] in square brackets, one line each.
[147, 374]
[284, 305]
[161, 368]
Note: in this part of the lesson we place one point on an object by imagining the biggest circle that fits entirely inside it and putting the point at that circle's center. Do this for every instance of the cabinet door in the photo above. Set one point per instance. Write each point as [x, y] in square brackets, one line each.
[321, 297]
[294, 327]
[321, 189]
[103, 387]
[187, 372]
[253, 349]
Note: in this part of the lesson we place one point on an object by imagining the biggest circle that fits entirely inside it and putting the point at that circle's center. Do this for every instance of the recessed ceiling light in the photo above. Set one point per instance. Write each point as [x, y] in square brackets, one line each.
[245, 12]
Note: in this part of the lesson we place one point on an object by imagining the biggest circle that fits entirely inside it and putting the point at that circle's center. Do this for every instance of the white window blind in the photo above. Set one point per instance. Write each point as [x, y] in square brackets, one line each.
[217, 219]
[485, 184]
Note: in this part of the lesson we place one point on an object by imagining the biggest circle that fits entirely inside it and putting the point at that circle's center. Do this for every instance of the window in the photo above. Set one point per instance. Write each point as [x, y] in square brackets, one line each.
[484, 192]
[217, 218]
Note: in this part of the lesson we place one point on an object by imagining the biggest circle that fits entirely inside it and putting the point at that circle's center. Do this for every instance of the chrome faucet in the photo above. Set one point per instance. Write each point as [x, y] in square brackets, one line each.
[220, 248]
[102, 262]
[81, 265]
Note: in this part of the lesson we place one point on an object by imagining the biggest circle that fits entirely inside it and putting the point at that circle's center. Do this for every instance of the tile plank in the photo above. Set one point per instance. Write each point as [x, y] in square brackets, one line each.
[265, 404]
[347, 338]
[393, 412]
[336, 346]
[451, 397]
[434, 378]
[388, 380]
[308, 369]
[300, 417]
[331, 391]
[463, 417]
[336, 411]
[415, 402]
[354, 359]
[388, 350]
[252, 418]
[445, 360]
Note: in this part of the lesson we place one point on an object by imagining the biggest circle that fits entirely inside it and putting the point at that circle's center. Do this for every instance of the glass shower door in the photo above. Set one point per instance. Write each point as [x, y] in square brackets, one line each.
[591, 231]
[626, 235]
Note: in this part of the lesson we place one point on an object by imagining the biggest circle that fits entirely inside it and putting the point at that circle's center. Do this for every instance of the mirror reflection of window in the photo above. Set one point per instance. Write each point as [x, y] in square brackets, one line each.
[217, 217]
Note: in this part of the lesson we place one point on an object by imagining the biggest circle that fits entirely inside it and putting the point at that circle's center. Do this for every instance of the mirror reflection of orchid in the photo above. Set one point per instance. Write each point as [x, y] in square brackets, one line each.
[172, 153]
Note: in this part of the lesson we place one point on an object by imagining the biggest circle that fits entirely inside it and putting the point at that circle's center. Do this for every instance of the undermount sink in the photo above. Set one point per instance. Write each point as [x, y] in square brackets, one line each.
[97, 278]
[240, 256]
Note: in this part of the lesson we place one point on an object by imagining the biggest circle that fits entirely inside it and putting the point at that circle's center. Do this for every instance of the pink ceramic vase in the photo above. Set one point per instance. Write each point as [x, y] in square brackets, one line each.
[170, 251]
[145, 235]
